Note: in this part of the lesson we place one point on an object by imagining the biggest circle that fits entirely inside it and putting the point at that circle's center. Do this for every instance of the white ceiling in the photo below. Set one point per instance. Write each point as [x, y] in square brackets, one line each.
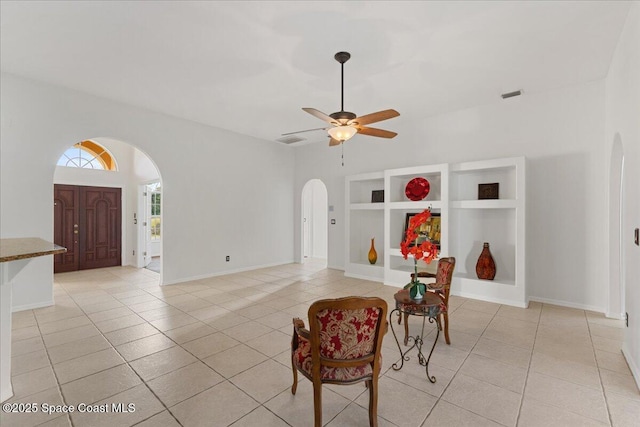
[250, 66]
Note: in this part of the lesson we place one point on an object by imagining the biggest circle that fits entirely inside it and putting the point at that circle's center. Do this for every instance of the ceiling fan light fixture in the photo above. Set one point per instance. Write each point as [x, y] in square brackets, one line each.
[342, 133]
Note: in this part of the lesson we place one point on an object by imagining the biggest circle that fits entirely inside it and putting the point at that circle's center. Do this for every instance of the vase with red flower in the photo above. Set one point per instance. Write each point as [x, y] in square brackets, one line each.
[425, 251]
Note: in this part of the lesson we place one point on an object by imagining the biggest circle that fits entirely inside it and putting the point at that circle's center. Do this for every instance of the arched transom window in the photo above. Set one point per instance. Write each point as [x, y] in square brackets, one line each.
[88, 155]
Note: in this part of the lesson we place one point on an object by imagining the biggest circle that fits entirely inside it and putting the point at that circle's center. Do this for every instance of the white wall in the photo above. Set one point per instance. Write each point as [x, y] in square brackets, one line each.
[623, 120]
[561, 133]
[223, 193]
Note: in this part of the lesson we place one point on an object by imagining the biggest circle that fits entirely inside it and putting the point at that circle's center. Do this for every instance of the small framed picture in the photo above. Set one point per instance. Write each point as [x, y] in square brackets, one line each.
[428, 231]
[377, 196]
[488, 191]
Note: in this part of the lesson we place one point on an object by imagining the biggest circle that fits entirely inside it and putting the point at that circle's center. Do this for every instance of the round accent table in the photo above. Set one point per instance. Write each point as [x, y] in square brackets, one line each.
[429, 307]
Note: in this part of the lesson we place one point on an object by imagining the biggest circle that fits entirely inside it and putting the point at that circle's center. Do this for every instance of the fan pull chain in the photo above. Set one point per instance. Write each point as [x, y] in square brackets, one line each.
[342, 145]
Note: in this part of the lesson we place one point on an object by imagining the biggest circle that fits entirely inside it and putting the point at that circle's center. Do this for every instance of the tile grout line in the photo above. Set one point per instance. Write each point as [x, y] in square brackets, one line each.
[204, 363]
[526, 378]
[192, 291]
[179, 345]
[55, 374]
[126, 362]
[439, 398]
[595, 356]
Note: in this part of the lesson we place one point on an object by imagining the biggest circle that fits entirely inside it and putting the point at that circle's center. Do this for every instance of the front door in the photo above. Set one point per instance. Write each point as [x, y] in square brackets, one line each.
[88, 222]
[66, 227]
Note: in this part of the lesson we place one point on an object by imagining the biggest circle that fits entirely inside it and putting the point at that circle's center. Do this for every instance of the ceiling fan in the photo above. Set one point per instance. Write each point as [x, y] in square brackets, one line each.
[346, 124]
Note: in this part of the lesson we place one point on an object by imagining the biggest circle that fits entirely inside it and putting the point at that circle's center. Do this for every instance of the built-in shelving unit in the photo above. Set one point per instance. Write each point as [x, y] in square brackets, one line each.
[365, 220]
[500, 222]
[397, 269]
[466, 223]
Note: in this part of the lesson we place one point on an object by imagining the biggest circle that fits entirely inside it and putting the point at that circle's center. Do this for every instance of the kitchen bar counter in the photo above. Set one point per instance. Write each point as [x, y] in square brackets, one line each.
[29, 247]
[15, 254]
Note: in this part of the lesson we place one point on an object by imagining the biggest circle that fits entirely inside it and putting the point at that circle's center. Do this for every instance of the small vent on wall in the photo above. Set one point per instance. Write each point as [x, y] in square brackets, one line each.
[290, 139]
[511, 94]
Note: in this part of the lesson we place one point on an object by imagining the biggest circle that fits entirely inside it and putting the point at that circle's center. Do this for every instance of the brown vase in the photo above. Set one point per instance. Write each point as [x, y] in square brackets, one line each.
[373, 255]
[486, 267]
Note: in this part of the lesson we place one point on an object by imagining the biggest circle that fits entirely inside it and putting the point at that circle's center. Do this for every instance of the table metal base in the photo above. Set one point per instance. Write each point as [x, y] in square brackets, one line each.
[417, 343]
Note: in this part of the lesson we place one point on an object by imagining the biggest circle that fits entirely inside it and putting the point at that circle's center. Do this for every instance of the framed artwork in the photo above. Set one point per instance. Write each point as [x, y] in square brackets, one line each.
[377, 196]
[488, 191]
[430, 230]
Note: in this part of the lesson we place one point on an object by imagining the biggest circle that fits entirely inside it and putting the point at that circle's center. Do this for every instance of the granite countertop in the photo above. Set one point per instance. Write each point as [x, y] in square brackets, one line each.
[28, 247]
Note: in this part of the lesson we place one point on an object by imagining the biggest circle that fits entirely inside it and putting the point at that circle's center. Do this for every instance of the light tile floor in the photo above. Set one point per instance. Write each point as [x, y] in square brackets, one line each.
[215, 352]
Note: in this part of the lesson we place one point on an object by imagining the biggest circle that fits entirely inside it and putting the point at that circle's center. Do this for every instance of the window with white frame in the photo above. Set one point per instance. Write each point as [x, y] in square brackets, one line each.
[88, 155]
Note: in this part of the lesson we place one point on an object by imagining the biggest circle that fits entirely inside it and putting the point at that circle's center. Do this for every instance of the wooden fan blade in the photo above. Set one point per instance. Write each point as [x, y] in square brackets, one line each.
[375, 117]
[333, 142]
[320, 115]
[381, 133]
[301, 131]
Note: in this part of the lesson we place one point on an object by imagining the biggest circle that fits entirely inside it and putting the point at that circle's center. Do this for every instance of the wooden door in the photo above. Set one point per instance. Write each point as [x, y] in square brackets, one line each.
[66, 226]
[100, 227]
[88, 222]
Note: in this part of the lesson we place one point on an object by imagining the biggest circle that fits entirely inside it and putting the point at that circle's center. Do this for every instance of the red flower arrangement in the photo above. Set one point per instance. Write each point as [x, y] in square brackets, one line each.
[425, 251]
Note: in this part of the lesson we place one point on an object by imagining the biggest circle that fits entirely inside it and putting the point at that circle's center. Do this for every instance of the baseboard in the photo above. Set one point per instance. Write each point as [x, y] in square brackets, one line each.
[32, 306]
[617, 316]
[491, 299]
[363, 277]
[635, 369]
[224, 273]
[568, 304]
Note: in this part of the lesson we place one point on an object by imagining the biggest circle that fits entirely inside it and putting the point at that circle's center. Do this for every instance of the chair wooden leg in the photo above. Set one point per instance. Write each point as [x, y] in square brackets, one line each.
[445, 316]
[373, 402]
[406, 328]
[317, 404]
[294, 387]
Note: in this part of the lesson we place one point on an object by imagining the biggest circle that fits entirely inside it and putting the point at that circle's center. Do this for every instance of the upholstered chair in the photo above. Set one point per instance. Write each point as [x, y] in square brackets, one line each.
[441, 287]
[342, 346]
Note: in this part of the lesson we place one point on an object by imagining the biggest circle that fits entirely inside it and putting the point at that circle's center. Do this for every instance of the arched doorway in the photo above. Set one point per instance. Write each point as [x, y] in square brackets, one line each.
[102, 164]
[315, 235]
[616, 304]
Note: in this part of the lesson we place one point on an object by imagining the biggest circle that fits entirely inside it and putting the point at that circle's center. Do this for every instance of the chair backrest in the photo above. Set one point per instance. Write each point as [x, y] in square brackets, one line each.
[444, 274]
[347, 332]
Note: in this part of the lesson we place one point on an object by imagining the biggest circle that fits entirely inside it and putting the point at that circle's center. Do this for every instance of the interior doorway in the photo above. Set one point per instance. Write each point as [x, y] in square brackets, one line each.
[315, 232]
[88, 222]
[152, 225]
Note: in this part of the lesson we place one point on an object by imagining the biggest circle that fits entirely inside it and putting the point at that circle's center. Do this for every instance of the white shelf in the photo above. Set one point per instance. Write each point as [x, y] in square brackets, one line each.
[417, 206]
[472, 278]
[367, 206]
[484, 204]
[365, 270]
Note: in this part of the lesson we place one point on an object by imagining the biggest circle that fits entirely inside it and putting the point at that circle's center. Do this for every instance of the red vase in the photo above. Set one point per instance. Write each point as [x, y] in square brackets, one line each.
[486, 267]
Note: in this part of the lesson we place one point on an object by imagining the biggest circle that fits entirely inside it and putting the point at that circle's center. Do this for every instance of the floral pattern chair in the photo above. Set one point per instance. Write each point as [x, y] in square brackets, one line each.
[342, 346]
[441, 287]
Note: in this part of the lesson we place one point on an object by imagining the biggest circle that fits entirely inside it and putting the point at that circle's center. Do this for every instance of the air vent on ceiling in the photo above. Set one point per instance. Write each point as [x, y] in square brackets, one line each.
[290, 139]
[511, 94]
